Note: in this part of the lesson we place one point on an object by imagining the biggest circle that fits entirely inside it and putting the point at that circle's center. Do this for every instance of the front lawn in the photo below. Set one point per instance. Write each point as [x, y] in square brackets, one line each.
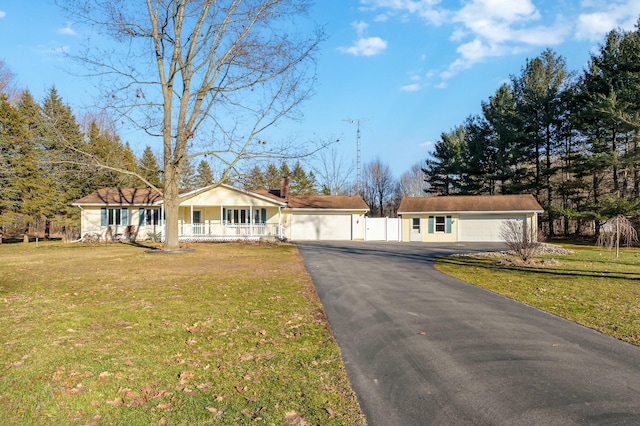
[107, 334]
[590, 287]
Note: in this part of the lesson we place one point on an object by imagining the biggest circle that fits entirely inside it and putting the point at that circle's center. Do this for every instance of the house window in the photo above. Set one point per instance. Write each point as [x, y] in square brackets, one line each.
[114, 217]
[415, 224]
[440, 224]
[150, 216]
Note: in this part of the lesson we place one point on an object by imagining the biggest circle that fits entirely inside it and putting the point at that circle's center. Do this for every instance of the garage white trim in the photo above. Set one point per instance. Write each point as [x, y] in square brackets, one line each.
[485, 227]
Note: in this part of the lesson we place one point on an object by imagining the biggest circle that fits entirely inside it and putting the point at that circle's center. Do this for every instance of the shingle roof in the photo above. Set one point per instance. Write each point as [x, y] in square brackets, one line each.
[147, 196]
[470, 203]
[121, 197]
[340, 202]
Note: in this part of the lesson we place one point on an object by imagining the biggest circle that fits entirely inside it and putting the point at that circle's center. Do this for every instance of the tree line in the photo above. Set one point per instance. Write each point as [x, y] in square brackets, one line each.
[49, 159]
[569, 138]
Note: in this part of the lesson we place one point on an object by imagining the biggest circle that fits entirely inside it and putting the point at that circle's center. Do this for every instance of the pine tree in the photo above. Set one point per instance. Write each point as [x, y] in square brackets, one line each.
[301, 182]
[204, 175]
[443, 170]
[148, 168]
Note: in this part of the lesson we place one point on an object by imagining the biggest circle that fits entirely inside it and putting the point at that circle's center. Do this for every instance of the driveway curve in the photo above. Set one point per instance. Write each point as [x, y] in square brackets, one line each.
[423, 348]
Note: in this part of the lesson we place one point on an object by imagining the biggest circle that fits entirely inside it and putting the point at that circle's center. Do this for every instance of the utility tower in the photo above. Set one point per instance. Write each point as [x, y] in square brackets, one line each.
[358, 165]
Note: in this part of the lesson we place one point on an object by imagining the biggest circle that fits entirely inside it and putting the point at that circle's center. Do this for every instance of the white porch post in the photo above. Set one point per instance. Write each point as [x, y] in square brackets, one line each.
[162, 227]
[191, 219]
[280, 222]
[250, 220]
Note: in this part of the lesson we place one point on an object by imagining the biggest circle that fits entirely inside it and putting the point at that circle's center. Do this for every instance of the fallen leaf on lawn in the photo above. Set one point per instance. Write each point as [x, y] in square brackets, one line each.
[94, 421]
[294, 418]
[115, 402]
[191, 342]
[185, 376]
[163, 406]
[15, 364]
[330, 412]
[104, 374]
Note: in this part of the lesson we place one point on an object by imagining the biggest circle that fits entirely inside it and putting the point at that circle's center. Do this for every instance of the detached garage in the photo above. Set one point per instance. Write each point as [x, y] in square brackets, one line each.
[461, 218]
[324, 217]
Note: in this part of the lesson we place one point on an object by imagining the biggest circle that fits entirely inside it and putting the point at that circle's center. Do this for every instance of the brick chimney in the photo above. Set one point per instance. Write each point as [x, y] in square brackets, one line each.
[284, 188]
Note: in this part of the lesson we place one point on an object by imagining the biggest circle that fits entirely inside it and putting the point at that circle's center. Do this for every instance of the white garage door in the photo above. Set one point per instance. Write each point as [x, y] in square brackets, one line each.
[482, 228]
[320, 227]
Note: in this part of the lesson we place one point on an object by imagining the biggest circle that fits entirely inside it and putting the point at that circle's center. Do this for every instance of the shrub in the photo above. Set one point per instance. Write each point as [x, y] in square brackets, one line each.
[524, 242]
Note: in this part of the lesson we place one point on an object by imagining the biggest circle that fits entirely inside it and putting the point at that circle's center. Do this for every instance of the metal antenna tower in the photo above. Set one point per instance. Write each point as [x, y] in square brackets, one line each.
[358, 165]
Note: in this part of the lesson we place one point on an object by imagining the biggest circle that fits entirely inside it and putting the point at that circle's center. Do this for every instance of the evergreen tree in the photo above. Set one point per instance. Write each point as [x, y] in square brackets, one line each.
[301, 182]
[443, 171]
[149, 169]
[541, 105]
[204, 175]
[272, 177]
[188, 176]
[255, 180]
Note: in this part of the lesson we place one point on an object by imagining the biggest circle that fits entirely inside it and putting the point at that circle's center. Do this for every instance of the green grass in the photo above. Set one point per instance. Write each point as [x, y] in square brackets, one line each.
[590, 287]
[107, 334]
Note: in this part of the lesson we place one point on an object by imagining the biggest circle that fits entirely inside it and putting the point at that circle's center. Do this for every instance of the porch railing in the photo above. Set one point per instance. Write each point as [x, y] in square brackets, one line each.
[216, 231]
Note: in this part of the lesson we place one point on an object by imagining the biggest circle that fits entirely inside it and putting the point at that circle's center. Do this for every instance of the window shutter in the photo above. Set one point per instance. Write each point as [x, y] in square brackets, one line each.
[431, 224]
[125, 217]
[103, 216]
[263, 212]
[448, 225]
[140, 217]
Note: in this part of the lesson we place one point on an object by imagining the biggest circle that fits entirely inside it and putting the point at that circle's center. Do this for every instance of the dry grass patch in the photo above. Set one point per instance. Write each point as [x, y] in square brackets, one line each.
[590, 286]
[107, 334]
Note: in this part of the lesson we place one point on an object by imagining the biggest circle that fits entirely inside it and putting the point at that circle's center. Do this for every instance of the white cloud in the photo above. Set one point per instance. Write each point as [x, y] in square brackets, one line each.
[360, 27]
[427, 145]
[67, 30]
[425, 9]
[369, 46]
[594, 25]
[411, 87]
[383, 17]
[2, 14]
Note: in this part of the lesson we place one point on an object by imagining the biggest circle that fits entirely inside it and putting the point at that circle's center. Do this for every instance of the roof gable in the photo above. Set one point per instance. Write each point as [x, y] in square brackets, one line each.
[470, 203]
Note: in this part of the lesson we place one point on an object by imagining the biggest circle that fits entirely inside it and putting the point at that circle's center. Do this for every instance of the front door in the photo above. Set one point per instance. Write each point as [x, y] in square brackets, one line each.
[198, 226]
[416, 231]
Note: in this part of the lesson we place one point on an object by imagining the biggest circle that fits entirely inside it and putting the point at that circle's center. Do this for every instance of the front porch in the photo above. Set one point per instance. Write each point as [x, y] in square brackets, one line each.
[207, 232]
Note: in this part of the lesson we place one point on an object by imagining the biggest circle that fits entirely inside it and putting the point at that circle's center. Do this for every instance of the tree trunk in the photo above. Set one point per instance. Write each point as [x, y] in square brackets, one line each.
[171, 203]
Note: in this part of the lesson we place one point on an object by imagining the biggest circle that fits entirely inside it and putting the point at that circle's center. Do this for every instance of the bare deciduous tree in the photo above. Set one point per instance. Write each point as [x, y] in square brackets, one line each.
[524, 242]
[334, 174]
[412, 183]
[206, 77]
[378, 186]
[615, 230]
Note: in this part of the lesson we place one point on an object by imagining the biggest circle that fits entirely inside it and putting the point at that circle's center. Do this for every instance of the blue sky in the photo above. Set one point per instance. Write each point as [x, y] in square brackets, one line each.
[408, 69]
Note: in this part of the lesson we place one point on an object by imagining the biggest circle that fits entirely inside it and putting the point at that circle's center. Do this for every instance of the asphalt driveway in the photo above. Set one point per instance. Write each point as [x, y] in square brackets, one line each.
[423, 348]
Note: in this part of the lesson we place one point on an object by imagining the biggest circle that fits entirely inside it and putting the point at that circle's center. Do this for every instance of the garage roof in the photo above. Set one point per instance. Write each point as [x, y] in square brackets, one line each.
[337, 202]
[470, 203]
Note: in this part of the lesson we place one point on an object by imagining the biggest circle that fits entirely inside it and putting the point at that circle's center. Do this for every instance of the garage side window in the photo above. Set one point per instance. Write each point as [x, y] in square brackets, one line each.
[415, 224]
[440, 224]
